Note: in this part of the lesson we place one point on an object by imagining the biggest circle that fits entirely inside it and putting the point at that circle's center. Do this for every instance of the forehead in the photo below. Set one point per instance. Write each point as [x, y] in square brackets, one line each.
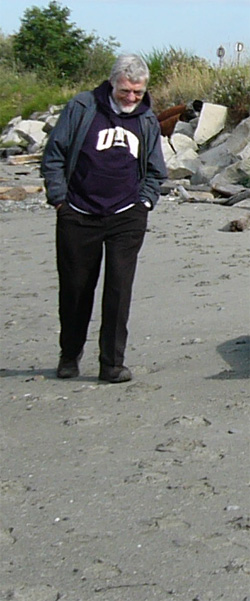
[125, 83]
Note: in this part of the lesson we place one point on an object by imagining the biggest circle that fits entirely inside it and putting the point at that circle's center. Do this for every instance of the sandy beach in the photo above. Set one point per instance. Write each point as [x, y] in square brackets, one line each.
[136, 491]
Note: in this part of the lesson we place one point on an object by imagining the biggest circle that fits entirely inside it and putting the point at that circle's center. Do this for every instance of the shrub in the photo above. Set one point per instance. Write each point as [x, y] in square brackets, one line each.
[7, 58]
[232, 88]
[22, 94]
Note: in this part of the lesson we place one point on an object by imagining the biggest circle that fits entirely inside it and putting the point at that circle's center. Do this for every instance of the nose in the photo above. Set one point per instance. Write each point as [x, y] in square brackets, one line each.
[131, 92]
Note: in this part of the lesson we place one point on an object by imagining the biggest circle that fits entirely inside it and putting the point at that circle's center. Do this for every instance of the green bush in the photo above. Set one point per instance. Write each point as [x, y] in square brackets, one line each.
[22, 94]
[7, 58]
[232, 88]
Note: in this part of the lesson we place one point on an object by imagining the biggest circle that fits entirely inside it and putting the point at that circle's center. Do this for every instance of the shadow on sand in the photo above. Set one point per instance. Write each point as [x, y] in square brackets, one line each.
[35, 374]
[236, 353]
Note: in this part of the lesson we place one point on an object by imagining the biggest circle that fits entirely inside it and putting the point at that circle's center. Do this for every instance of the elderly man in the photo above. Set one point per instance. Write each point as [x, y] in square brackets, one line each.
[103, 167]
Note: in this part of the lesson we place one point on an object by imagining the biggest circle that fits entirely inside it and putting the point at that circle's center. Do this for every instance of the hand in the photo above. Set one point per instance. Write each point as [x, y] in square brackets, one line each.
[58, 206]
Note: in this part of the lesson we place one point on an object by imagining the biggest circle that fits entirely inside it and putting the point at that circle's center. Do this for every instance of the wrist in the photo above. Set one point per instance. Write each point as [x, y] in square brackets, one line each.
[147, 203]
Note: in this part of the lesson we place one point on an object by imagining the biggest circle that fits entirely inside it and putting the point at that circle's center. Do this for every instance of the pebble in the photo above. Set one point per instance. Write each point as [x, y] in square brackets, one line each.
[29, 204]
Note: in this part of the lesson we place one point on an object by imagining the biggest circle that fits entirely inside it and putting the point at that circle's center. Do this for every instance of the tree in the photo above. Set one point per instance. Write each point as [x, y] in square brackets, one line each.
[6, 51]
[46, 42]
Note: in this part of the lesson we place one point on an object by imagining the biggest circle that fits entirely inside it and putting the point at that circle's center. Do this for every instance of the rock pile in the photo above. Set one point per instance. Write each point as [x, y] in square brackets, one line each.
[206, 162]
[28, 136]
[209, 159]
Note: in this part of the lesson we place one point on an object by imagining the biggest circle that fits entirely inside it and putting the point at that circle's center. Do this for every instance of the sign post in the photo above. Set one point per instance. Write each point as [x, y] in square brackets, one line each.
[220, 53]
[239, 47]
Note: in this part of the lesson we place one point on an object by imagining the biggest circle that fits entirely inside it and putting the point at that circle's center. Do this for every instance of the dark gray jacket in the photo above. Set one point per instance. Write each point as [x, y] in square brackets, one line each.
[66, 139]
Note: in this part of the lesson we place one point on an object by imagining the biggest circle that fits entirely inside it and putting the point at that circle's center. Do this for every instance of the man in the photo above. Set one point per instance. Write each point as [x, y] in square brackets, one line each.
[103, 167]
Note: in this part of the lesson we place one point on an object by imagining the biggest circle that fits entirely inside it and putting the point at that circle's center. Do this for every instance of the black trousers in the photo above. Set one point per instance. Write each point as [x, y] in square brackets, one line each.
[81, 240]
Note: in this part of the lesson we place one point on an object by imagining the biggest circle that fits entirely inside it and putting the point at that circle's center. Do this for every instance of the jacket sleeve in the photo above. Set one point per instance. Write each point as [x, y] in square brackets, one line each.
[53, 167]
[155, 171]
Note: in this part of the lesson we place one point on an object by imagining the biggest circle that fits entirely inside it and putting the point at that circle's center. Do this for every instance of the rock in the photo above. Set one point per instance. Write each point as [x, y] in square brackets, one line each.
[181, 142]
[225, 189]
[31, 131]
[11, 137]
[184, 128]
[12, 123]
[211, 122]
[8, 135]
[50, 122]
[230, 176]
[17, 193]
[220, 139]
[244, 166]
[241, 224]
[244, 204]
[218, 156]
[204, 174]
[183, 164]
[167, 149]
[10, 151]
[245, 153]
[239, 138]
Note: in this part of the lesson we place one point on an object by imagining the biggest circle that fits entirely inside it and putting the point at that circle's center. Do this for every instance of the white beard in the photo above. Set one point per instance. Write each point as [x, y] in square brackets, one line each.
[128, 109]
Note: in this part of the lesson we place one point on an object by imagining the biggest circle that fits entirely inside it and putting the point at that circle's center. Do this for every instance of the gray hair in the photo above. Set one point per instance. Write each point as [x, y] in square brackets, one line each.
[131, 66]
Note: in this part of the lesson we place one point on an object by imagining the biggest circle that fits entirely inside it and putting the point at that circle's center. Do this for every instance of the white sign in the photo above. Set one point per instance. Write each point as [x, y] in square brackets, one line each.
[239, 47]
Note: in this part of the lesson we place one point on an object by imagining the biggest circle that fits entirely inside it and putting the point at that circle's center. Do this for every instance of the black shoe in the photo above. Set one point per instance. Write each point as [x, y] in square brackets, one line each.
[67, 368]
[115, 375]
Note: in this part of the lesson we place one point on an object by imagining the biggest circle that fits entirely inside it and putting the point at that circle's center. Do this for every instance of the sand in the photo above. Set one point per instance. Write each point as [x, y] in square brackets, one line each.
[141, 490]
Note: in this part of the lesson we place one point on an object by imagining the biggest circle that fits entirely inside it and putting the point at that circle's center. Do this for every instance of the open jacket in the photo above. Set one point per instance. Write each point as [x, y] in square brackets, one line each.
[66, 140]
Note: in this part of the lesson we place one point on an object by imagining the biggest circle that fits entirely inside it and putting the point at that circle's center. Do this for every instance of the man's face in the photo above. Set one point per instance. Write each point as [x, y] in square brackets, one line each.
[128, 95]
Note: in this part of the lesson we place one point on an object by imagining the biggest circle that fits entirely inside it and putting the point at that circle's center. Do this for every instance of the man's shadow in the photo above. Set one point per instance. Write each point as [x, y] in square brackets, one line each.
[47, 374]
[236, 353]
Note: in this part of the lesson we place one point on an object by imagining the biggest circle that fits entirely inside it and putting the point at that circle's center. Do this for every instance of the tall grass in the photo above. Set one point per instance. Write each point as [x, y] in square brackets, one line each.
[183, 85]
[184, 82]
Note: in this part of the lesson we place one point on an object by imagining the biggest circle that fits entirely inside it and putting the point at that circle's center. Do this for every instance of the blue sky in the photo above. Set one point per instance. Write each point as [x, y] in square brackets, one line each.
[196, 26]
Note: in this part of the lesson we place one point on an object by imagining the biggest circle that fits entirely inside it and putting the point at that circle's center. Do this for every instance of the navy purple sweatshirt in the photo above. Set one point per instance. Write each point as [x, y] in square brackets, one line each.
[106, 177]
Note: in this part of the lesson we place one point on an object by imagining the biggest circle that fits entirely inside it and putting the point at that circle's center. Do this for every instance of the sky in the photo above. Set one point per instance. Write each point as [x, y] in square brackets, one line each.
[198, 27]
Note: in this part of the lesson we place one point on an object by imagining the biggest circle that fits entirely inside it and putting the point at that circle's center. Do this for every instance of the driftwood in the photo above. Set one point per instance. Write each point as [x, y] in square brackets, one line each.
[24, 159]
[232, 200]
[203, 193]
